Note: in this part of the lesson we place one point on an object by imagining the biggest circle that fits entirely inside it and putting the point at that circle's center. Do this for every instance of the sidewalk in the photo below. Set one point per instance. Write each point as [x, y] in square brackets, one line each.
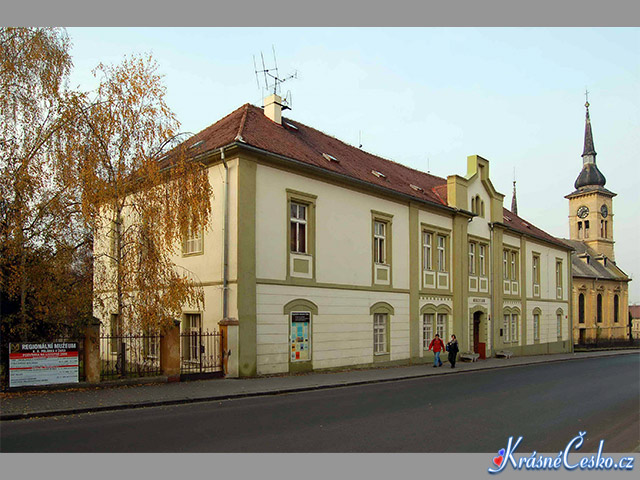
[20, 405]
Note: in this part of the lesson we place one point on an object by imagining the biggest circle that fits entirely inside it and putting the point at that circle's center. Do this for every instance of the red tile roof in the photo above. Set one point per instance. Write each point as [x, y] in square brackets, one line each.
[521, 225]
[294, 140]
[634, 310]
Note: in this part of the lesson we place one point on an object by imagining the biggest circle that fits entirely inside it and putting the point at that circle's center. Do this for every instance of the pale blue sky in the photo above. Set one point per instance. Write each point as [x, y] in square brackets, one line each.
[427, 98]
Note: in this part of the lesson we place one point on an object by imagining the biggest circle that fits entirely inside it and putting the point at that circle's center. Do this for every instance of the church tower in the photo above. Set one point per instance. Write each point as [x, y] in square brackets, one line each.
[591, 205]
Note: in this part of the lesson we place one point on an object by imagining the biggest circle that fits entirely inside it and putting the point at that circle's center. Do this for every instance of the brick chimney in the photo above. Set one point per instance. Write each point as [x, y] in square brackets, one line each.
[273, 108]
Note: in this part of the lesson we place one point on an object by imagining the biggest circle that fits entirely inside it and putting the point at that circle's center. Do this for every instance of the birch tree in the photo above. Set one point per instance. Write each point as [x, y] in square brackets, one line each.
[140, 201]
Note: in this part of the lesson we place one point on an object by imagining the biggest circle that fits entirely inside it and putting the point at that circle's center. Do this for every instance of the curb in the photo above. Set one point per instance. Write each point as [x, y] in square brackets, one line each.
[280, 391]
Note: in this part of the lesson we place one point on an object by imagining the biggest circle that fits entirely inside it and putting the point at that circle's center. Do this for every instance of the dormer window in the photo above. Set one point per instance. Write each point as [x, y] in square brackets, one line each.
[197, 144]
[378, 174]
[291, 126]
[331, 158]
[508, 219]
[416, 188]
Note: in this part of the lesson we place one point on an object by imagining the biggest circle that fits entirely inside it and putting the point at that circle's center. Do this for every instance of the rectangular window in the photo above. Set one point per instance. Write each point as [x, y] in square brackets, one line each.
[536, 326]
[427, 329]
[379, 242]
[472, 258]
[191, 343]
[192, 242]
[151, 344]
[559, 279]
[426, 251]
[559, 325]
[379, 333]
[513, 266]
[536, 275]
[580, 231]
[606, 234]
[442, 260]
[507, 328]
[514, 328]
[481, 259]
[441, 325]
[586, 229]
[505, 265]
[298, 228]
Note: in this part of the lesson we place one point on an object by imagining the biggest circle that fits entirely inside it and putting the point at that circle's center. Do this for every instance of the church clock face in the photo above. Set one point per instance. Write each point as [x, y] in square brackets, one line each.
[583, 211]
[604, 211]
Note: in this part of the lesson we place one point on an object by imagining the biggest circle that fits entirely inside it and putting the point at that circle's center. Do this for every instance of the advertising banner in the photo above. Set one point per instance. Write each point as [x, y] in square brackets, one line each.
[32, 364]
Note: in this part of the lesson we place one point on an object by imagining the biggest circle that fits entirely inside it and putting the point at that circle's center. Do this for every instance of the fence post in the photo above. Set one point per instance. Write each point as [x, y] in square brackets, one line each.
[229, 327]
[170, 352]
[92, 352]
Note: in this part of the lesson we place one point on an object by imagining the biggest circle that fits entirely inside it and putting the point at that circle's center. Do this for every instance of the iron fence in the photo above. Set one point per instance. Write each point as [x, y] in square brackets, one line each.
[129, 355]
[201, 352]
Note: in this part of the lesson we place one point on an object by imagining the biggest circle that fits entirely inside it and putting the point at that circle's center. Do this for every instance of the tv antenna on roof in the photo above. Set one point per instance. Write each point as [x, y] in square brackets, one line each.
[271, 76]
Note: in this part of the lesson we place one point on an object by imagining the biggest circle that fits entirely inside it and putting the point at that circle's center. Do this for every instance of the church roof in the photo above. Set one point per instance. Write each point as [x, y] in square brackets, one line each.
[590, 175]
[587, 263]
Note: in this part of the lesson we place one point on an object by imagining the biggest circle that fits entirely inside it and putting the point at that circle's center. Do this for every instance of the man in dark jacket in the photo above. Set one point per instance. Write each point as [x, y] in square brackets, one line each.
[452, 348]
[437, 346]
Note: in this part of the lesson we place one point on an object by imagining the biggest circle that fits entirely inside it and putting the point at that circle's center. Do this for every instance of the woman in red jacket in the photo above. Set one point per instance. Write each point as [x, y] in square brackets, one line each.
[437, 346]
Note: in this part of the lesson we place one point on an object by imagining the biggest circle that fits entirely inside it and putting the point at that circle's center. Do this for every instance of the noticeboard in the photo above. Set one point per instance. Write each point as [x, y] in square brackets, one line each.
[32, 364]
[300, 341]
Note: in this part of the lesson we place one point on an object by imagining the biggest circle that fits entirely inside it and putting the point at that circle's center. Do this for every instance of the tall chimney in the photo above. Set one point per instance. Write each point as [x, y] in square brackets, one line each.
[273, 108]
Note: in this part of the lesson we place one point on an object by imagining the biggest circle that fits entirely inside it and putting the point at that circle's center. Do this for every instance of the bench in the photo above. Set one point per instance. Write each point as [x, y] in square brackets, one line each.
[469, 356]
[504, 354]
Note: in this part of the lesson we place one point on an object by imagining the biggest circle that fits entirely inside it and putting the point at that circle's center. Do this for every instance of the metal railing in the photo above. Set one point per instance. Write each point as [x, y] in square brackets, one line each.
[200, 352]
[129, 355]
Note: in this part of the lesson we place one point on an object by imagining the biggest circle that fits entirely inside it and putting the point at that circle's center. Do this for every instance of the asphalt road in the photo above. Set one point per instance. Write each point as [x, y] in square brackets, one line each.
[470, 412]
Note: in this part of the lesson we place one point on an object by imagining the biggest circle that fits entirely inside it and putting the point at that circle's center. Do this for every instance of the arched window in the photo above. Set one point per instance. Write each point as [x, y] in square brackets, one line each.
[536, 324]
[616, 302]
[481, 208]
[581, 308]
[599, 309]
[473, 205]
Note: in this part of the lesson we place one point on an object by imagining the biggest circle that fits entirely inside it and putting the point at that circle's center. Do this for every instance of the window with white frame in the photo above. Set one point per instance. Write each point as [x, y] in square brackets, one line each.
[507, 328]
[192, 242]
[514, 328]
[441, 325]
[298, 225]
[559, 325]
[513, 266]
[191, 342]
[481, 260]
[505, 265]
[442, 259]
[536, 274]
[472, 258]
[426, 250]
[428, 320]
[380, 333]
[536, 326]
[559, 278]
[379, 242]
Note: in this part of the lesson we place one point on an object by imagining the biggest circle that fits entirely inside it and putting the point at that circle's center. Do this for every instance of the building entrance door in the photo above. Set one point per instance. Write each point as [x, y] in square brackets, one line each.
[478, 346]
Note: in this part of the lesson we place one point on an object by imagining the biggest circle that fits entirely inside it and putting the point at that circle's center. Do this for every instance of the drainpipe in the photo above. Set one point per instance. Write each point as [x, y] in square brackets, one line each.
[494, 307]
[225, 274]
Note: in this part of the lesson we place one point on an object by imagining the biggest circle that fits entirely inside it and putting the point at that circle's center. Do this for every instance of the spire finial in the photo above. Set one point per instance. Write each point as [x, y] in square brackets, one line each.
[586, 96]
[514, 202]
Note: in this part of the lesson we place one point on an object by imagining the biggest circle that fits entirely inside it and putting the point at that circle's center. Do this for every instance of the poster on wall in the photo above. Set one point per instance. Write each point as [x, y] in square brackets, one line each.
[300, 344]
[33, 364]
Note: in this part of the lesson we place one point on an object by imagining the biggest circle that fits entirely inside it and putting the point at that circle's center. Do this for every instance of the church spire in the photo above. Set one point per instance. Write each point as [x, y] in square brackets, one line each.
[590, 176]
[514, 202]
[589, 152]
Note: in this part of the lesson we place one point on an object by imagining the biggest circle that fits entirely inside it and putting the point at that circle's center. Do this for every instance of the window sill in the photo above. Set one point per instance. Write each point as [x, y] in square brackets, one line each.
[193, 254]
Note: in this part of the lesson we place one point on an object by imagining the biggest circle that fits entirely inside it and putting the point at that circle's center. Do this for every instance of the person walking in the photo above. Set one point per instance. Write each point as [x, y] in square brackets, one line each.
[437, 345]
[452, 348]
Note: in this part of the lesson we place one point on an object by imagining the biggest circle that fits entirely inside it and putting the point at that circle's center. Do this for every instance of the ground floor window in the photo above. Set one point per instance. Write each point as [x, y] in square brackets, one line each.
[559, 324]
[441, 325]
[428, 320]
[510, 328]
[191, 343]
[536, 326]
[380, 333]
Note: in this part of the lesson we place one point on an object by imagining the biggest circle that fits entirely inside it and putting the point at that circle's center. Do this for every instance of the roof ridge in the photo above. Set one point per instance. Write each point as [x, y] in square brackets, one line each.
[242, 121]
